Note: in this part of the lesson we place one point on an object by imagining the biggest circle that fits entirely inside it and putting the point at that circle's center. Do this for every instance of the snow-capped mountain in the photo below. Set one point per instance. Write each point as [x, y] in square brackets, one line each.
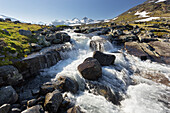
[75, 21]
[4, 17]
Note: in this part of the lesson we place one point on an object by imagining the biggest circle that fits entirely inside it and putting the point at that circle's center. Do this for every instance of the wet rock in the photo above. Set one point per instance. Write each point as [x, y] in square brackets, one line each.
[51, 37]
[104, 59]
[5, 108]
[53, 101]
[126, 38]
[10, 75]
[8, 95]
[90, 69]
[16, 105]
[32, 102]
[17, 22]
[34, 109]
[25, 32]
[41, 100]
[99, 89]
[67, 84]
[75, 109]
[98, 45]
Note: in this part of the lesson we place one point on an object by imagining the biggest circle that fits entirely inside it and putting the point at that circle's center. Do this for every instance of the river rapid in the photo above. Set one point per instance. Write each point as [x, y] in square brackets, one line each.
[127, 77]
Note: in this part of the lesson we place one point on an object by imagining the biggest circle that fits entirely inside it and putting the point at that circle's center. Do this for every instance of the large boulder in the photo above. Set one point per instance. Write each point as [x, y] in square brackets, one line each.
[35, 47]
[67, 84]
[8, 95]
[53, 101]
[5, 108]
[90, 69]
[10, 75]
[104, 59]
[25, 32]
[34, 109]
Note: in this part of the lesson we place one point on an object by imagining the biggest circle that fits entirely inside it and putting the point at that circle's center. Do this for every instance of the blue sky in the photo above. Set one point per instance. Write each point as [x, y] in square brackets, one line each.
[49, 10]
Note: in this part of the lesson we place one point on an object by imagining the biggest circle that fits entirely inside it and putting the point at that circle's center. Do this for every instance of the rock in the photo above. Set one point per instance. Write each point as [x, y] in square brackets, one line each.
[99, 89]
[2, 20]
[15, 110]
[7, 19]
[46, 88]
[35, 47]
[75, 109]
[10, 75]
[98, 45]
[26, 95]
[35, 92]
[32, 102]
[16, 105]
[34, 109]
[17, 22]
[57, 41]
[104, 59]
[5, 108]
[126, 38]
[8, 95]
[50, 37]
[63, 36]
[67, 84]
[42, 41]
[53, 101]
[25, 32]
[5, 32]
[90, 69]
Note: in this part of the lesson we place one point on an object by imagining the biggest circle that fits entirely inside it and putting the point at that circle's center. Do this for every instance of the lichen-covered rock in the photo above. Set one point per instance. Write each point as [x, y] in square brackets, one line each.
[8, 95]
[10, 75]
[90, 69]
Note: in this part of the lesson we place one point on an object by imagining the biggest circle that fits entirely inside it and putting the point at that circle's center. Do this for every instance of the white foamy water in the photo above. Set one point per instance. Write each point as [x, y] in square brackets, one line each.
[144, 97]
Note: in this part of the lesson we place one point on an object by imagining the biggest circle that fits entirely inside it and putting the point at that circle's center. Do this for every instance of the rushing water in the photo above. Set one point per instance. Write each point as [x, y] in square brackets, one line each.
[141, 95]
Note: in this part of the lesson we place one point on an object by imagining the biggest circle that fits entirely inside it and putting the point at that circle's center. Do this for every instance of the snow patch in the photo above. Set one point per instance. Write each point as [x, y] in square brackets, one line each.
[142, 14]
[160, 1]
[147, 19]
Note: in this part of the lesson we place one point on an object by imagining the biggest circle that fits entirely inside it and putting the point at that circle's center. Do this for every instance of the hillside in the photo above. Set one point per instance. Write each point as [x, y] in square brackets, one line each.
[151, 9]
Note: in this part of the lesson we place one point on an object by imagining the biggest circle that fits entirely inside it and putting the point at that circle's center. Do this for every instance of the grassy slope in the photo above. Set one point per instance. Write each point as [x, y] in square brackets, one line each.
[15, 43]
[157, 10]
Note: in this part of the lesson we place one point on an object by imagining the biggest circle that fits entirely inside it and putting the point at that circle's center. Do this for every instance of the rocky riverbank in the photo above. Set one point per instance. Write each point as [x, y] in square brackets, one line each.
[44, 93]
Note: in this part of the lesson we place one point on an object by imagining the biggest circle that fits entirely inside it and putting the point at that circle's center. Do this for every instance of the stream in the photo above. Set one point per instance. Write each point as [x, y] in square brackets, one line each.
[140, 95]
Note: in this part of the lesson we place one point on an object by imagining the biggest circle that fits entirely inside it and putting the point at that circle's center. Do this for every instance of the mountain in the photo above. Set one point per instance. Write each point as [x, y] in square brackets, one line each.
[4, 17]
[75, 21]
[149, 10]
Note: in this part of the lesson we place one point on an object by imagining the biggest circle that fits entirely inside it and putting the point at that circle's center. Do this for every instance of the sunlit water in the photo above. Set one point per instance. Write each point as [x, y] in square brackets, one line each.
[145, 96]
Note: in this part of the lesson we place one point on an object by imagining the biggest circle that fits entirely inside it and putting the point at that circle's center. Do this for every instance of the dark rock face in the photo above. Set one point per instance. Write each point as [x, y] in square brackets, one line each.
[104, 59]
[8, 95]
[99, 89]
[34, 109]
[5, 108]
[63, 36]
[75, 109]
[53, 101]
[10, 75]
[90, 69]
[25, 32]
[31, 66]
[67, 84]
[97, 45]
[46, 88]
